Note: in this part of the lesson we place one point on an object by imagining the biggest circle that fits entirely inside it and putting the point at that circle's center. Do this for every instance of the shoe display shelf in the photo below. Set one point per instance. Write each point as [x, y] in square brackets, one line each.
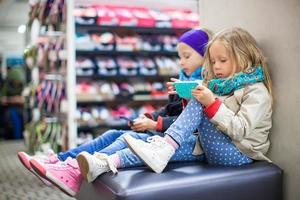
[133, 48]
[119, 59]
[46, 64]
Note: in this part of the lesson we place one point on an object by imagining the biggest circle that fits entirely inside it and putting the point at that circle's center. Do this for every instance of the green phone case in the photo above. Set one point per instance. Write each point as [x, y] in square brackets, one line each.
[184, 88]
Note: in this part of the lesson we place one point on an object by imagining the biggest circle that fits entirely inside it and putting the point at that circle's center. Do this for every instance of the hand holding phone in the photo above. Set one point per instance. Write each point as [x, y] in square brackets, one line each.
[184, 88]
[130, 121]
[170, 86]
[143, 123]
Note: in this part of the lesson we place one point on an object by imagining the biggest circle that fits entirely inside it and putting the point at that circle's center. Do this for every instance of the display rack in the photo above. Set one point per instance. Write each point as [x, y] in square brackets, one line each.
[72, 54]
[45, 58]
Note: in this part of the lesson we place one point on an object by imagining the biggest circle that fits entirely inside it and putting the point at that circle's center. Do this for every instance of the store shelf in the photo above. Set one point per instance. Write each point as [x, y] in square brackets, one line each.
[164, 60]
[138, 99]
[145, 30]
[124, 53]
[123, 77]
[86, 128]
[147, 35]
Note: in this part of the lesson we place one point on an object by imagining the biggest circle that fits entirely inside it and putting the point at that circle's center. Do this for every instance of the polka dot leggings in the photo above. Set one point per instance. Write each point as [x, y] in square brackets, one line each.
[218, 147]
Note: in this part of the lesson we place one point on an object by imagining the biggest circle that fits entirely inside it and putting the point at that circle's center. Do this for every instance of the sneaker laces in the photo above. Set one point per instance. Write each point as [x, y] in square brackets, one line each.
[157, 142]
[50, 152]
[100, 156]
[71, 162]
[111, 165]
[103, 158]
[109, 162]
[75, 174]
[53, 158]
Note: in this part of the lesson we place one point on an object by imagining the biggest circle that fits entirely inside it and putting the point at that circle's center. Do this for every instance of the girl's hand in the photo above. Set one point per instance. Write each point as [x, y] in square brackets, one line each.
[203, 95]
[170, 87]
[143, 123]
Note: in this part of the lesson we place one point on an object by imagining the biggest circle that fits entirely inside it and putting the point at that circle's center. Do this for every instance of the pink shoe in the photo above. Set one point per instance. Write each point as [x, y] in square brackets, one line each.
[25, 160]
[65, 175]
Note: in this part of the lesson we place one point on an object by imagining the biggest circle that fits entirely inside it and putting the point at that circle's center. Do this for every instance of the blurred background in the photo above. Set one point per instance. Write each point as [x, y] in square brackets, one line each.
[69, 71]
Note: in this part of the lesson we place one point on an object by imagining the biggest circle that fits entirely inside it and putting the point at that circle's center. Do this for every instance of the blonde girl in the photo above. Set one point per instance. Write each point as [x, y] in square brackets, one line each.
[232, 110]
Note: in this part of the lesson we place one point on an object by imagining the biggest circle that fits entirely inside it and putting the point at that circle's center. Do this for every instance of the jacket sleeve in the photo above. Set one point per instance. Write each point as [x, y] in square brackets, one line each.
[161, 112]
[163, 123]
[167, 114]
[255, 103]
[173, 108]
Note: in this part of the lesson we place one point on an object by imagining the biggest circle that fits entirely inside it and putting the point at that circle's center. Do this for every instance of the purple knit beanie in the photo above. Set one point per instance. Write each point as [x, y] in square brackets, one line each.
[197, 39]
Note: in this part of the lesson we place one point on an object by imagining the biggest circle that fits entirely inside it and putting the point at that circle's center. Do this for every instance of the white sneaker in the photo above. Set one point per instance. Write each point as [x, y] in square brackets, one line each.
[156, 154]
[106, 158]
[91, 166]
[101, 156]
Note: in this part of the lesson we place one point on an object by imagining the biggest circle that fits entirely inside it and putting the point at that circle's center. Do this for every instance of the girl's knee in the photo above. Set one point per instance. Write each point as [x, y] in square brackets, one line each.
[141, 136]
[131, 133]
[113, 132]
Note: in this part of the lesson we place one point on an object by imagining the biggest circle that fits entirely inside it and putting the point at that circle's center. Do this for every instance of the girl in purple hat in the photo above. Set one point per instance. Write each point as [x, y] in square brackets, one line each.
[108, 152]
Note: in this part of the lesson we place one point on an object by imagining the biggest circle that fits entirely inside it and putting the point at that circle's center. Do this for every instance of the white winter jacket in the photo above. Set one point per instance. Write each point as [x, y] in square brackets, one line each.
[245, 116]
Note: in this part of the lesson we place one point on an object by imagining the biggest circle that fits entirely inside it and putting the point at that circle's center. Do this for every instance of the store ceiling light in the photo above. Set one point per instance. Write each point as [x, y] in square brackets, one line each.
[22, 29]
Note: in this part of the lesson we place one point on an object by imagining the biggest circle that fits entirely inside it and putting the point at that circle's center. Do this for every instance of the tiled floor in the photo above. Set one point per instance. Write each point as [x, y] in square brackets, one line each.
[16, 183]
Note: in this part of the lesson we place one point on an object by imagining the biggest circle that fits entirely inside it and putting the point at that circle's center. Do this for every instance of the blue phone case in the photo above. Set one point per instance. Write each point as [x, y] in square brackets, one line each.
[184, 88]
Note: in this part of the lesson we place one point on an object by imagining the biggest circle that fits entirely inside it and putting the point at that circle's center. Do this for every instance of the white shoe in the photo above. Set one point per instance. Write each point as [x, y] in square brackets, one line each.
[156, 154]
[91, 166]
[108, 160]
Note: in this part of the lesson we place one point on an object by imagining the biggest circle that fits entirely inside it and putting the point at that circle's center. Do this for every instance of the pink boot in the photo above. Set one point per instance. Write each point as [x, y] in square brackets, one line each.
[65, 175]
[46, 159]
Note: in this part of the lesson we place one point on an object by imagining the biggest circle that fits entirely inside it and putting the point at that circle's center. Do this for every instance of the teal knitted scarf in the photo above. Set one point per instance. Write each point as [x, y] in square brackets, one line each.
[225, 86]
[196, 75]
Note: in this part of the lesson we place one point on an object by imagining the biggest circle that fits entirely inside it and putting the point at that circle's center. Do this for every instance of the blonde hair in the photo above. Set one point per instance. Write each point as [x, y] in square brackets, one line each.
[242, 49]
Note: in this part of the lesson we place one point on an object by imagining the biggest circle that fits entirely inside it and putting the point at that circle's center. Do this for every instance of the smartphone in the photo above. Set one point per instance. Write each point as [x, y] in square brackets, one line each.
[184, 88]
[130, 121]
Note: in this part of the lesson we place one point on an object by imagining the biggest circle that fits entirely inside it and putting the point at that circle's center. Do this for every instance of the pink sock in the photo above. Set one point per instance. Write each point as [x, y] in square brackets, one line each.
[171, 141]
[116, 160]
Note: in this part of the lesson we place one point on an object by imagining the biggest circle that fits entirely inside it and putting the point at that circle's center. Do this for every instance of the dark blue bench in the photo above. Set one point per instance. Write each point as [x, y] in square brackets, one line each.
[189, 181]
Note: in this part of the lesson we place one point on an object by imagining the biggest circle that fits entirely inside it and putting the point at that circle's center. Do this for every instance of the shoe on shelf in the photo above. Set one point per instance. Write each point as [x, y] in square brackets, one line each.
[156, 153]
[65, 175]
[46, 159]
[92, 166]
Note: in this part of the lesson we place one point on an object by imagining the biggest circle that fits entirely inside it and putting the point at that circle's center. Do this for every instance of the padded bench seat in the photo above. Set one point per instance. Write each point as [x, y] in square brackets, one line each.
[188, 181]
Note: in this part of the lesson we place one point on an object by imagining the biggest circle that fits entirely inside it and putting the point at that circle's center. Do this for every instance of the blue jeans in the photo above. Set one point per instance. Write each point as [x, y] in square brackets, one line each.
[218, 147]
[109, 142]
[112, 141]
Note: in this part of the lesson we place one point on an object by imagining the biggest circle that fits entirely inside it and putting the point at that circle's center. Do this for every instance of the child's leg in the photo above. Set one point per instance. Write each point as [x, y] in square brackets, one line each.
[187, 122]
[96, 145]
[127, 159]
[120, 143]
[160, 151]
[183, 153]
[65, 175]
[218, 147]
